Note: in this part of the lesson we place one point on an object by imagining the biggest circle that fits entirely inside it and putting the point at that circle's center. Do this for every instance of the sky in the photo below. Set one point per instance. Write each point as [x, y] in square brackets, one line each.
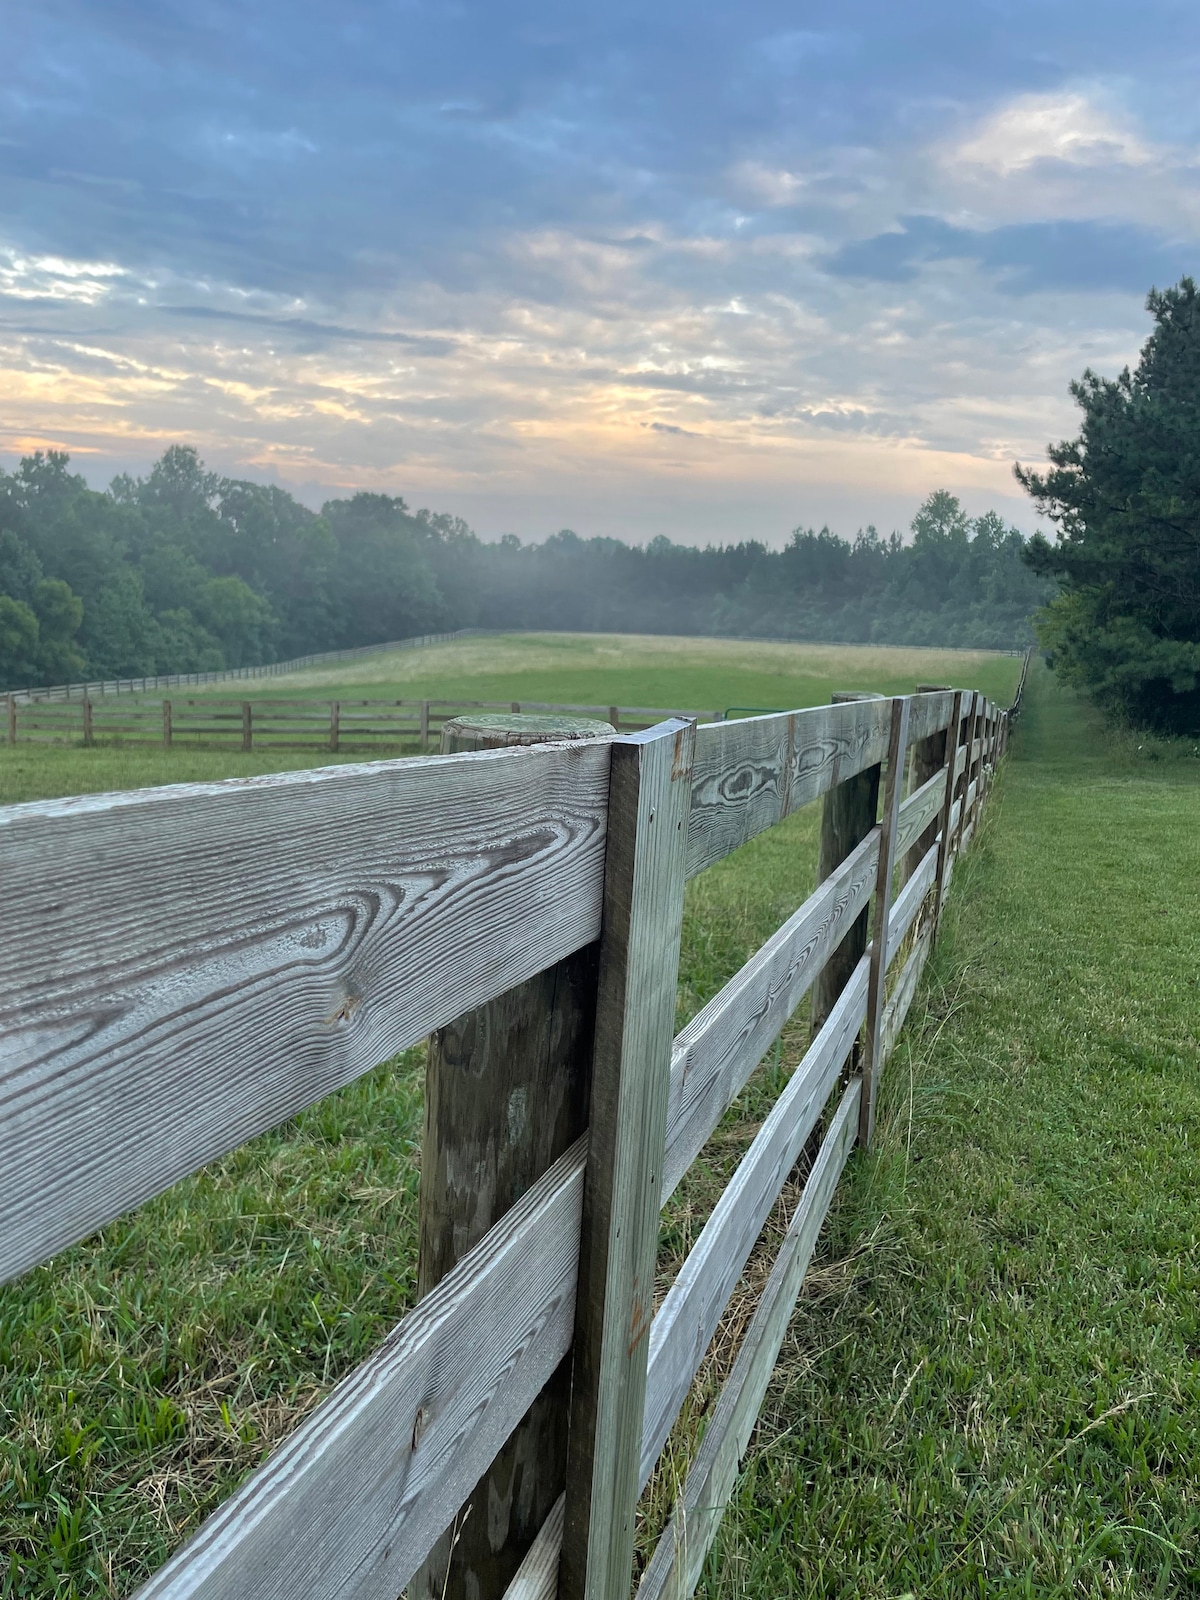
[708, 271]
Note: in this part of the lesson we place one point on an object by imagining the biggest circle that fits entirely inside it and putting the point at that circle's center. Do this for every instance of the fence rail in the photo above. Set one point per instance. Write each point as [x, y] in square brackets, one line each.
[159, 1008]
[348, 725]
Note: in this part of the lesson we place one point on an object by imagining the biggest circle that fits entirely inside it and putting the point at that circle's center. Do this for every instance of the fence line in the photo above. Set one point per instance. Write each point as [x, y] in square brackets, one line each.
[176, 680]
[347, 725]
[160, 1008]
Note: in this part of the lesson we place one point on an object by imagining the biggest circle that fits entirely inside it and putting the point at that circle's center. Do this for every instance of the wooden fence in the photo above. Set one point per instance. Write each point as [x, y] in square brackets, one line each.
[214, 722]
[159, 1006]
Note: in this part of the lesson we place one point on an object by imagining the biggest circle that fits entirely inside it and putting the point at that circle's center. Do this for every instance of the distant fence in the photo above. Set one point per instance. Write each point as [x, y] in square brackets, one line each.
[212, 722]
[100, 687]
[182, 968]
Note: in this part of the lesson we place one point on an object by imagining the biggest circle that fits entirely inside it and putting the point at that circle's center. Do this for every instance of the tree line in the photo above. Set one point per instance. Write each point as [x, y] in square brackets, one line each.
[185, 570]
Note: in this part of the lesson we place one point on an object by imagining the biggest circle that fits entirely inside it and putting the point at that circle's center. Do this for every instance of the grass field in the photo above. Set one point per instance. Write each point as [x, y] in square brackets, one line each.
[601, 669]
[991, 1387]
[687, 674]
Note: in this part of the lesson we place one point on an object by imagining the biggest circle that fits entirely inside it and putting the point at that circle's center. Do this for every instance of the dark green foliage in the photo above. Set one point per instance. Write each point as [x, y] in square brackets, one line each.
[186, 571]
[1126, 497]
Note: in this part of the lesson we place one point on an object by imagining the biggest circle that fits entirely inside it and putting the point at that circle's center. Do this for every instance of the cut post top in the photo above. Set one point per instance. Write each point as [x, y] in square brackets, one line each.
[491, 730]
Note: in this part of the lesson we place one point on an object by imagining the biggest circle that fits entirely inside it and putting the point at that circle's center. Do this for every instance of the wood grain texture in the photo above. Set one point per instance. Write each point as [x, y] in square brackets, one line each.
[964, 780]
[161, 1004]
[929, 713]
[919, 809]
[675, 1568]
[720, 1047]
[928, 759]
[896, 1011]
[751, 774]
[908, 902]
[880, 939]
[688, 1317]
[537, 1576]
[848, 815]
[945, 836]
[649, 801]
[350, 1504]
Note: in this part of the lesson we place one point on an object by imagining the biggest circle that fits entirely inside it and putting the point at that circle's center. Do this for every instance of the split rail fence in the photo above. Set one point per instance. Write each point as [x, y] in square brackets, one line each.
[159, 1007]
[214, 722]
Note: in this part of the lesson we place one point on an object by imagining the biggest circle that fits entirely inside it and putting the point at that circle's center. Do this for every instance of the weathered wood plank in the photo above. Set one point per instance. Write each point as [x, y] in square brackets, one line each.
[349, 1505]
[678, 1560]
[945, 837]
[848, 814]
[897, 1008]
[908, 902]
[688, 1317]
[720, 1047]
[897, 746]
[919, 810]
[751, 774]
[160, 1004]
[537, 1576]
[929, 714]
[649, 801]
[928, 758]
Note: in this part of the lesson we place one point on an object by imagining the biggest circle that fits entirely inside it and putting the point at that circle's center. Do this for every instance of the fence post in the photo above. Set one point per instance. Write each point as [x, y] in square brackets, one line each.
[12, 719]
[335, 729]
[247, 726]
[87, 719]
[976, 764]
[928, 757]
[166, 716]
[894, 788]
[968, 707]
[614, 716]
[424, 725]
[847, 816]
[953, 735]
[649, 805]
[506, 1095]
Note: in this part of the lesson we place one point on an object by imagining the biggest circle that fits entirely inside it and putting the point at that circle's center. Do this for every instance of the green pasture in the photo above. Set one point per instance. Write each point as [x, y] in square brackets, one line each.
[685, 674]
[587, 669]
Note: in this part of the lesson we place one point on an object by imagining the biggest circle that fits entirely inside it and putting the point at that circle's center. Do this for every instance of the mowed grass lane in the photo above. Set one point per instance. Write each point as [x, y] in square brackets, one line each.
[146, 1370]
[993, 1387]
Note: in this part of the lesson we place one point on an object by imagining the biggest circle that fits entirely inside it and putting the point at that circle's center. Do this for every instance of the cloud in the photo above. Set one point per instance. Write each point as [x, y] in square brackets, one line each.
[669, 427]
[497, 257]
[1068, 128]
[1025, 258]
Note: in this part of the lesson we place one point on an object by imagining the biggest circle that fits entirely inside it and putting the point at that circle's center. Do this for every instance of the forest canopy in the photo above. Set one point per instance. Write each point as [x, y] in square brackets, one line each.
[185, 570]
